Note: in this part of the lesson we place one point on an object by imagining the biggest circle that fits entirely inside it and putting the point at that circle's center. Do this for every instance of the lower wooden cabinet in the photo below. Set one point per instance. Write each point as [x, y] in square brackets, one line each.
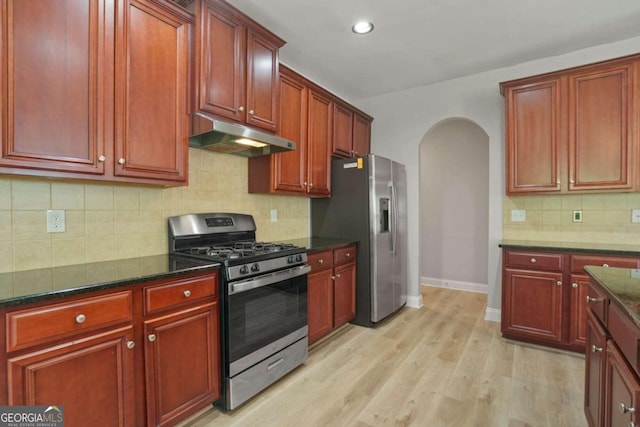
[92, 378]
[622, 390]
[331, 290]
[182, 364]
[595, 371]
[146, 354]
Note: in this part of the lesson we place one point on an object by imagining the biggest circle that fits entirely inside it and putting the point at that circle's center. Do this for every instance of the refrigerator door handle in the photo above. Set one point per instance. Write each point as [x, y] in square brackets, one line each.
[394, 217]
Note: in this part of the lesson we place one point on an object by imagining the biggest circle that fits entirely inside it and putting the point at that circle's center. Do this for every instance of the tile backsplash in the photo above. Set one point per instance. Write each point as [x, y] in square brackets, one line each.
[110, 221]
[606, 218]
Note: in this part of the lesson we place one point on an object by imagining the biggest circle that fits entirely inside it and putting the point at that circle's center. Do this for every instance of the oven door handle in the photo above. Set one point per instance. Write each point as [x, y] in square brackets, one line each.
[268, 279]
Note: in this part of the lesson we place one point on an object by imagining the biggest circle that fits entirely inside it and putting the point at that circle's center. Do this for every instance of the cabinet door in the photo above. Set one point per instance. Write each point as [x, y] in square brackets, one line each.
[578, 311]
[532, 304]
[320, 304]
[151, 94]
[181, 363]
[361, 135]
[600, 119]
[342, 131]
[91, 377]
[221, 63]
[533, 137]
[594, 371]
[291, 167]
[344, 294]
[319, 145]
[262, 82]
[56, 75]
[622, 390]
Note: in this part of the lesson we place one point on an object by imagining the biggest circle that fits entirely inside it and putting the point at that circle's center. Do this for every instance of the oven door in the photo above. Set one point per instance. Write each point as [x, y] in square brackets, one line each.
[265, 314]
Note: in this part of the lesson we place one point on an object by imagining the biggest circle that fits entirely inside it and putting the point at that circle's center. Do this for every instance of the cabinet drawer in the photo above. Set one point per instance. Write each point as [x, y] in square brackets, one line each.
[344, 255]
[174, 294]
[533, 260]
[597, 303]
[578, 262]
[626, 335]
[29, 327]
[320, 260]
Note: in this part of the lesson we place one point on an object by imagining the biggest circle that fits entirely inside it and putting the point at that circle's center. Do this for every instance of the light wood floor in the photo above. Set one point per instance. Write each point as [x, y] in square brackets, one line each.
[441, 365]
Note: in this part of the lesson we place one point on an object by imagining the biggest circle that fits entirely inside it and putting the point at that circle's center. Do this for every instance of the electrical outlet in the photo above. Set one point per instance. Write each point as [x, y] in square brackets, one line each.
[55, 221]
[518, 215]
[635, 216]
[577, 216]
[274, 215]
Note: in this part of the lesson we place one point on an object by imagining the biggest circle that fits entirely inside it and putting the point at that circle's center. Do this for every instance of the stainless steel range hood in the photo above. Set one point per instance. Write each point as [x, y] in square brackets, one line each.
[231, 138]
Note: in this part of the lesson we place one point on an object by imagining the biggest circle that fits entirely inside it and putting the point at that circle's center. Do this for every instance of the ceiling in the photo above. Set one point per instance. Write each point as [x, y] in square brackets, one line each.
[417, 42]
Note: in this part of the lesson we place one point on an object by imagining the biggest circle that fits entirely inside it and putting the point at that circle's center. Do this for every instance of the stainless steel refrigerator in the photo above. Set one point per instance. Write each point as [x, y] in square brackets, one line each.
[369, 204]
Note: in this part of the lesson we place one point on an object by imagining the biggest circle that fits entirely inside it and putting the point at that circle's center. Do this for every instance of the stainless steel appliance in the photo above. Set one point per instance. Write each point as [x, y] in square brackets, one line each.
[368, 203]
[263, 299]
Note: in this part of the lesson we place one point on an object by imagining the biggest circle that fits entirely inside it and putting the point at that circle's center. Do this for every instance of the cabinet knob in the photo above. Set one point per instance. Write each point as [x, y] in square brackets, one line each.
[251, 112]
[321, 261]
[241, 108]
[625, 409]
[533, 260]
[574, 285]
[338, 276]
[187, 293]
[152, 337]
[304, 183]
[130, 344]
[605, 265]
[121, 161]
[310, 185]
[102, 158]
[558, 283]
[595, 349]
[571, 181]
[80, 318]
[591, 299]
[558, 183]
[348, 255]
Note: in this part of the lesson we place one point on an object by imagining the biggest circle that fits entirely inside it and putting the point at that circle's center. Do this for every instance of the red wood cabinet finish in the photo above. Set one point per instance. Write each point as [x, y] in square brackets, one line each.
[320, 119]
[320, 304]
[573, 130]
[595, 354]
[622, 390]
[344, 294]
[91, 377]
[342, 130]
[103, 102]
[237, 66]
[361, 134]
[578, 310]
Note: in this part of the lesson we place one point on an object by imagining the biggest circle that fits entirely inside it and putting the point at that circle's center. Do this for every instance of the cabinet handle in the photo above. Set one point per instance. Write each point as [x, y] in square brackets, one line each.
[533, 260]
[632, 424]
[574, 285]
[558, 183]
[241, 108]
[624, 409]
[333, 277]
[187, 293]
[304, 183]
[591, 299]
[321, 261]
[102, 158]
[605, 265]
[558, 283]
[310, 185]
[595, 349]
[338, 276]
[80, 318]
[251, 112]
[130, 344]
[571, 181]
[152, 337]
[121, 161]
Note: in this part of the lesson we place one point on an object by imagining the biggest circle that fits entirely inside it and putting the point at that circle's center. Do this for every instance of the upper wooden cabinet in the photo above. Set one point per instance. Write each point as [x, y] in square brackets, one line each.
[78, 76]
[351, 131]
[236, 66]
[573, 130]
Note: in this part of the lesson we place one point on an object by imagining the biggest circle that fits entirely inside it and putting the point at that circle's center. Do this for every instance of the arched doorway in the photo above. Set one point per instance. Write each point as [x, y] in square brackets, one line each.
[454, 206]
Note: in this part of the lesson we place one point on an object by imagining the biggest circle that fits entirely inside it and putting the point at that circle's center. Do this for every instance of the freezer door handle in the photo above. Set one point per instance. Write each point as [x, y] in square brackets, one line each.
[394, 217]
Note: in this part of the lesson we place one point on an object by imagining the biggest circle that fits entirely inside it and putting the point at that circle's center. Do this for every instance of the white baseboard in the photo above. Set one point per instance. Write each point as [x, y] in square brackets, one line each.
[414, 302]
[454, 284]
[493, 314]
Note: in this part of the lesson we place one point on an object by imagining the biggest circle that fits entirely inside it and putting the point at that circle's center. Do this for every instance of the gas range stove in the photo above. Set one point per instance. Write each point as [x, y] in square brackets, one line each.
[229, 239]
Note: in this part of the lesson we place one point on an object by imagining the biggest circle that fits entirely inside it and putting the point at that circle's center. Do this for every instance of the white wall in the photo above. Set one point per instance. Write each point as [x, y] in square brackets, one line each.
[454, 206]
[403, 118]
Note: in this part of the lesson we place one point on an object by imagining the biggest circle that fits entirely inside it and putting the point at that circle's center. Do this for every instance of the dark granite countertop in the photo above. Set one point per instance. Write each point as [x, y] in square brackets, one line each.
[23, 287]
[316, 244]
[602, 248]
[622, 285]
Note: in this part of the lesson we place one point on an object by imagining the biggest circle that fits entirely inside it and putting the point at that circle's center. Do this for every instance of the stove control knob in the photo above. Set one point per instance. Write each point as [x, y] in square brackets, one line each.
[299, 258]
[244, 269]
[291, 259]
[255, 268]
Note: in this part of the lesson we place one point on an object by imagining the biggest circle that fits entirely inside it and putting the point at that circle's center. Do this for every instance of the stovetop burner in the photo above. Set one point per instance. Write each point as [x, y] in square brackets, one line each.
[238, 250]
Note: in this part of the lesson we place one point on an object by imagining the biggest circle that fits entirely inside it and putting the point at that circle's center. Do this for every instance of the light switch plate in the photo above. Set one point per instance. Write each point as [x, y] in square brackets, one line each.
[577, 216]
[274, 215]
[518, 215]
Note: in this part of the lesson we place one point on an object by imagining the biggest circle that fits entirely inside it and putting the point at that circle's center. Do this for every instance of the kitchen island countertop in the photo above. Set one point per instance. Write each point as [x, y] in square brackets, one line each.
[601, 248]
[622, 285]
[29, 286]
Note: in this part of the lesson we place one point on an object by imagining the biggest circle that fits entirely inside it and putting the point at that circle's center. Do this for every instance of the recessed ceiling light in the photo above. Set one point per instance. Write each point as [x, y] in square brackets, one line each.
[362, 27]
